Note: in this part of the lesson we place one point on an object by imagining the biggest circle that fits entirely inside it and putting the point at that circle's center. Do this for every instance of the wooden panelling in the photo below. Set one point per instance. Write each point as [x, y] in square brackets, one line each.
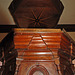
[28, 67]
[44, 46]
[36, 14]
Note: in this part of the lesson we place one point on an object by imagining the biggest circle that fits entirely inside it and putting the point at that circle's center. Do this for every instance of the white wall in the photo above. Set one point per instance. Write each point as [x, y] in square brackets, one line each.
[5, 16]
[68, 15]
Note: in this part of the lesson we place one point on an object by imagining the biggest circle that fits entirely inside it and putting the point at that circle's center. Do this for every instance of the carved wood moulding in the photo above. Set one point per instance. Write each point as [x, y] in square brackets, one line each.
[43, 50]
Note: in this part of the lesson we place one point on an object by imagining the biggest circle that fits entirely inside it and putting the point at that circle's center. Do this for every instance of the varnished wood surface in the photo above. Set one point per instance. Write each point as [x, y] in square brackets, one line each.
[37, 45]
[16, 30]
[39, 48]
[36, 13]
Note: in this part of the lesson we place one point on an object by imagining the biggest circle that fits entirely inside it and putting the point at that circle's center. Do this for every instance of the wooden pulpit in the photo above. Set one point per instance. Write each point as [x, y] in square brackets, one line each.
[34, 48]
[43, 51]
